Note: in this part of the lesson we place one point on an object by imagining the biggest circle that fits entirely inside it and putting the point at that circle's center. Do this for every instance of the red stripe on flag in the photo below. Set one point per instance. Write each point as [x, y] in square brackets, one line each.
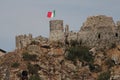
[49, 14]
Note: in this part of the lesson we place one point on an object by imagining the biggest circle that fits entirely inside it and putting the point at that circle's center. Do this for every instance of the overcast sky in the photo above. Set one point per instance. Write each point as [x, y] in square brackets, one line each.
[29, 16]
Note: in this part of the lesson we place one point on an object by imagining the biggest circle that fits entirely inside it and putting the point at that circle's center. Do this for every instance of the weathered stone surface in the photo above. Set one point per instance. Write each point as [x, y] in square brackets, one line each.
[56, 30]
[114, 54]
[23, 40]
[115, 73]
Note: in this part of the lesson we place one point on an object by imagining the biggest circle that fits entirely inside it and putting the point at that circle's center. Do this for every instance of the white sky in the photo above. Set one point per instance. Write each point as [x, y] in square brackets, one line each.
[29, 16]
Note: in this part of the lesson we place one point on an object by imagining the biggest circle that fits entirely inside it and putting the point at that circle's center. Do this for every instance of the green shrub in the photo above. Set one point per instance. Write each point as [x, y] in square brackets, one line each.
[104, 76]
[35, 77]
[33, 69]
[15, 65]
[81, 53]
[29, 57]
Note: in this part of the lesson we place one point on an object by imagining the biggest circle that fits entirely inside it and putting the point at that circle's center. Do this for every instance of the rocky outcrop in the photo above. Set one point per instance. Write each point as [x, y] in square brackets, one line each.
[115, 73]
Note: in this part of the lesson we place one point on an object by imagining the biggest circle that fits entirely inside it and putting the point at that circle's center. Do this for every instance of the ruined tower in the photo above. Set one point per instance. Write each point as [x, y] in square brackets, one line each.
[98, 31]
[23, 40]
[56, 30]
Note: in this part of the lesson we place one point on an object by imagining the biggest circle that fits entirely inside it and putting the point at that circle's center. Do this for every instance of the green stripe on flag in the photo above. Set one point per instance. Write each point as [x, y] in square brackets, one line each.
[53, 13]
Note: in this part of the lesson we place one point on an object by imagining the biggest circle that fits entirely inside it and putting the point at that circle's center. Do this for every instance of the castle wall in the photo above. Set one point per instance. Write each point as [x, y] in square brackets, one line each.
[23, 40]
[97, 31]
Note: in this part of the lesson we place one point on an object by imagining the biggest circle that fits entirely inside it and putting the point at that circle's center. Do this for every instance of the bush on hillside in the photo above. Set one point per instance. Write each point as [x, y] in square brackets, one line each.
[35, 77]
[29, 57]
[33, 69]
[104, 76]
[15, 65]
[77, 52]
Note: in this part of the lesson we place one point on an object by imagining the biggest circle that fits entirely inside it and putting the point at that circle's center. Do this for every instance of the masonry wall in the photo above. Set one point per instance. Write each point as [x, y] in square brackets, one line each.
[99, 31]
[56, 30]
[23, 40]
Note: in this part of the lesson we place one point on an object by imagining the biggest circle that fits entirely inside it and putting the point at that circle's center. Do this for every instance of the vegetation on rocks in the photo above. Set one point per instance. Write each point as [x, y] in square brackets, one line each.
[104, 76]
[80, 53]
[33, 69]
[15, 65]
[35, 77]
[29, 57]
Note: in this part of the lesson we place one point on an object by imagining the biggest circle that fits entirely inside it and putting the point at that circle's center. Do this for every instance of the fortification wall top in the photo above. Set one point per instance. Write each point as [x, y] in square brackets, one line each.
[97, 22]
[56, 25]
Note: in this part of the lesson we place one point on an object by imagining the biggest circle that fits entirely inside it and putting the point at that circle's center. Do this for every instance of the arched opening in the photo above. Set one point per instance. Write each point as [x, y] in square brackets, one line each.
[99, 36]
[80, 42]
[116, 34]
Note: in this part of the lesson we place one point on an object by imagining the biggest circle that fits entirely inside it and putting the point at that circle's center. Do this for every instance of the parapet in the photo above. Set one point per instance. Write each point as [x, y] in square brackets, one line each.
[56, 25]
[23, 40]
[97, 22]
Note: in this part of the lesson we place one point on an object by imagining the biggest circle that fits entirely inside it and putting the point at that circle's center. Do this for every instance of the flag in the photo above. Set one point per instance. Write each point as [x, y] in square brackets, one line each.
[51, 14]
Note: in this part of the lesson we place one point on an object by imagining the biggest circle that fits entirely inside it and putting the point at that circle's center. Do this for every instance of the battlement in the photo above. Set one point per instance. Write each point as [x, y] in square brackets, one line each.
[56, 25]
[23, 40]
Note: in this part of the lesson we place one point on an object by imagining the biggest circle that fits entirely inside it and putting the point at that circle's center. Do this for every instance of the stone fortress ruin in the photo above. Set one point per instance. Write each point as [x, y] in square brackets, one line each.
[97, 31]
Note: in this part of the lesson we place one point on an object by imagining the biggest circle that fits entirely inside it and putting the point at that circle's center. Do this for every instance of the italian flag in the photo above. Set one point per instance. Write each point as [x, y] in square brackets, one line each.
[51, 14]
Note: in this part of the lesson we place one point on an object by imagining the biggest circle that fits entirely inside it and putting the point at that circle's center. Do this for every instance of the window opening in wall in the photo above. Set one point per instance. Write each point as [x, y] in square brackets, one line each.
[98, 36]
[80, 42]
[116, 34]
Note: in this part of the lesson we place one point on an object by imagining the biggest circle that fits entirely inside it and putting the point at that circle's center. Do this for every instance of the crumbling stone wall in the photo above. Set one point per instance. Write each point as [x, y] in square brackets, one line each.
[97, 31]
[23, 40]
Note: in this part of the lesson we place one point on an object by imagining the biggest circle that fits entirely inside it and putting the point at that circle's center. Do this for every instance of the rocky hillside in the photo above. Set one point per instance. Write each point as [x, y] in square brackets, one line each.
[56, 61]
